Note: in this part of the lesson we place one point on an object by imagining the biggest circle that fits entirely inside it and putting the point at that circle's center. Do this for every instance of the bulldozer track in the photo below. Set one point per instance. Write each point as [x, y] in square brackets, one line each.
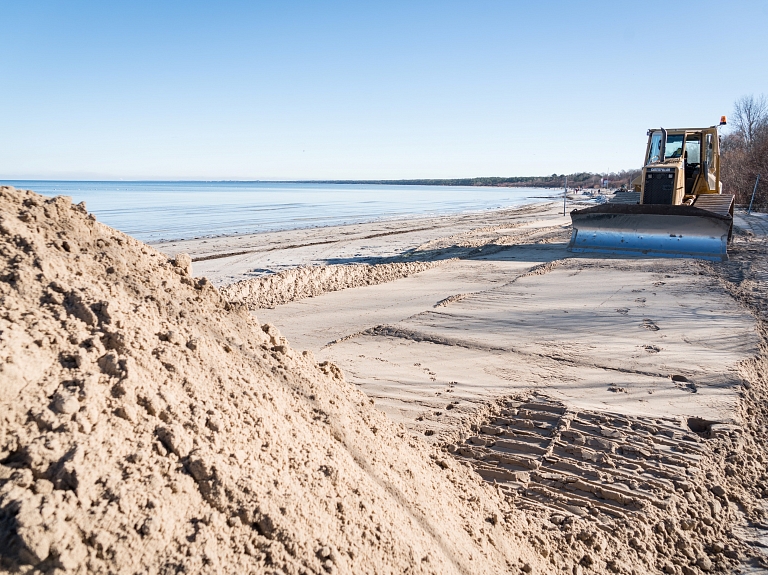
[580, 462]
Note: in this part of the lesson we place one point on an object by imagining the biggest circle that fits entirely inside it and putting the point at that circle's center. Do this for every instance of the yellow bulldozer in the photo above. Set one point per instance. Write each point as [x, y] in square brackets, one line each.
[676, 208]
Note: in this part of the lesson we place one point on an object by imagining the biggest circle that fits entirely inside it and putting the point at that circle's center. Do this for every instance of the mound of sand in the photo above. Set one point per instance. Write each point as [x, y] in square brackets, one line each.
[146, 425]
[299, 283]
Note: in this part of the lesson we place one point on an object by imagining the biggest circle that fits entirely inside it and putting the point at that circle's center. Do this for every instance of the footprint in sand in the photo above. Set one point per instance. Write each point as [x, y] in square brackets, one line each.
[650, 325]
[684, 383]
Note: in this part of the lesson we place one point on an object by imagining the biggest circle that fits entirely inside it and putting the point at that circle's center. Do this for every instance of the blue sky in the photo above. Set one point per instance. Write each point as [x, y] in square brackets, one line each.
[313, 90]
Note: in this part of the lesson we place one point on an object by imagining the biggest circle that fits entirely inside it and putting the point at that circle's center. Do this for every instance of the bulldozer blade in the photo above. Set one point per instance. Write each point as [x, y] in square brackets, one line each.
[651, 230]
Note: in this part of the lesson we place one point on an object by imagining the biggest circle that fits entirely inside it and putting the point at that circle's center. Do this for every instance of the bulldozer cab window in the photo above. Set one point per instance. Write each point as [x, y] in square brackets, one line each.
[710, 153]
[655, 148]
[693, 149]
[674, 147]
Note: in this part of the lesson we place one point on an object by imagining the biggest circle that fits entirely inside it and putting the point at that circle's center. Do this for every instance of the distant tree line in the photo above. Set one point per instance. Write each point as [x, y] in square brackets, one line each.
[579, 180]
[745, 152]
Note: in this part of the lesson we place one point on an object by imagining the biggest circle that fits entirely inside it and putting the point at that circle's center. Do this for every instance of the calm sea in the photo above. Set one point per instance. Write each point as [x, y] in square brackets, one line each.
[154, 211]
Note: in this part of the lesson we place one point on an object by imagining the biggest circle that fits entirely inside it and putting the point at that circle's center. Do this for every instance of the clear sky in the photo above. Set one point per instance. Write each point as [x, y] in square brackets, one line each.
[313, 90]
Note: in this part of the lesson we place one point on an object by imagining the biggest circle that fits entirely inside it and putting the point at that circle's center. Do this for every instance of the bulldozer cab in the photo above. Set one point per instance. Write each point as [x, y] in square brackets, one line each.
[679, 166]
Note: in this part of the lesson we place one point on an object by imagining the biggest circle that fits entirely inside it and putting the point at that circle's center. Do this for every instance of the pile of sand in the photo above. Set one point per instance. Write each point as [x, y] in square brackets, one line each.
[146, 425]
[299, 283]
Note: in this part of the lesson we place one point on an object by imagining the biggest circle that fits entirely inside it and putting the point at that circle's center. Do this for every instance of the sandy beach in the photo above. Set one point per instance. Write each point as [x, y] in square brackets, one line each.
[505, 309]
[506, 317]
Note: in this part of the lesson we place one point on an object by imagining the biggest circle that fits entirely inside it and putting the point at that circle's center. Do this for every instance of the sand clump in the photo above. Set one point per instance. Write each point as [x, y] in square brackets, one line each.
[147, 425]
[303, 282]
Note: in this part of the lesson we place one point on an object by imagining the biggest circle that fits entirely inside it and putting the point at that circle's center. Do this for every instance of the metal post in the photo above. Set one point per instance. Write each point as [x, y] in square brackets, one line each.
[565, 193]
[749, 211]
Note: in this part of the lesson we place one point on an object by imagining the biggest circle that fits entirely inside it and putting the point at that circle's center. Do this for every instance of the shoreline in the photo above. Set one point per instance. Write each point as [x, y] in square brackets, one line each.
[162, 243]
[227, 259]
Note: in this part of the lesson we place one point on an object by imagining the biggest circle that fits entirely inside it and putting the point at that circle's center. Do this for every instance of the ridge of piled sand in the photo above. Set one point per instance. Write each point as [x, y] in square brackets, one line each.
[302, 282]
[149, 426]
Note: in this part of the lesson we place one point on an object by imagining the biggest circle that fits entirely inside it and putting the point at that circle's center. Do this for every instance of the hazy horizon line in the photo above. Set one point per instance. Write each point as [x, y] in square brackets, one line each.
[290, 181]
